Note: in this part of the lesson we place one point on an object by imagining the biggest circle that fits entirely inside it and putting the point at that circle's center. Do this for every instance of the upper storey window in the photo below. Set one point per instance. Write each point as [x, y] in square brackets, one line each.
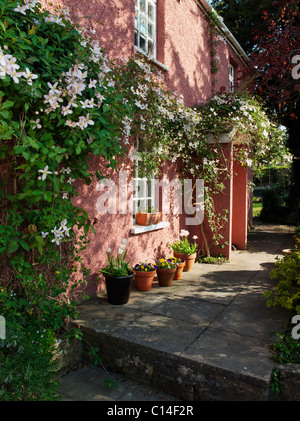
[145, 26]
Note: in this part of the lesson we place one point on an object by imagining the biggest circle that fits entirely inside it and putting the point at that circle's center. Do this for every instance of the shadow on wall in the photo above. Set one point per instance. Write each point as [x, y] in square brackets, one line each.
[195, 86]
[113, 22]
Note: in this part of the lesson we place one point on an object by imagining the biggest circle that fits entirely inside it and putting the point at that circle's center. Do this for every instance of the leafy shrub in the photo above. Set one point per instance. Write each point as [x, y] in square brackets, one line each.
[287, 291]
[286, 349]
[26, 355]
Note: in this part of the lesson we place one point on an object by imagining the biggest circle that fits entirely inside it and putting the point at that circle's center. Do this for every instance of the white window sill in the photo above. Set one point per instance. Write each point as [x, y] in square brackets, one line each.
[139, 229]
[152, 59]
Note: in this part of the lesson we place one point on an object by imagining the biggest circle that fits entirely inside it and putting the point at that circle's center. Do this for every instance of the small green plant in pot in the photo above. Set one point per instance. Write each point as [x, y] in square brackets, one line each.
[118, 276]
[183, 249]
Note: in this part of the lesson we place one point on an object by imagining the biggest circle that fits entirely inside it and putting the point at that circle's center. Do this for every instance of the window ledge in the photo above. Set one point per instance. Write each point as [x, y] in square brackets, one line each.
[139, 229]
[153, 60]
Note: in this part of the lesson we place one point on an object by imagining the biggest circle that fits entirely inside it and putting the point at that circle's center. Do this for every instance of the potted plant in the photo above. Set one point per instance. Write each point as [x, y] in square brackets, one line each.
[118, 276]
[183, 249]
[179, 266]
[148, 217]
[165, 272]
[144, 275]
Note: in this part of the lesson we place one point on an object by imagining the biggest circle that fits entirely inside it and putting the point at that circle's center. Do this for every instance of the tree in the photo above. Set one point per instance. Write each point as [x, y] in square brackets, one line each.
[243, 17]
[274, 51]
[273, 62]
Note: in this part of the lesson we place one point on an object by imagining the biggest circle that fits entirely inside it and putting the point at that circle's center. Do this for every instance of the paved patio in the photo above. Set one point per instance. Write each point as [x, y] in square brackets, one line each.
[206, 337]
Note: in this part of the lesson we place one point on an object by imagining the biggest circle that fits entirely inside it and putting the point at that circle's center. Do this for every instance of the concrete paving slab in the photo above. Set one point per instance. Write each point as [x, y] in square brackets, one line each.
[161, 333]
[189, 310]
[100, 316]
[88, 384]
[248, 315]
[213, 289]
[233, 352]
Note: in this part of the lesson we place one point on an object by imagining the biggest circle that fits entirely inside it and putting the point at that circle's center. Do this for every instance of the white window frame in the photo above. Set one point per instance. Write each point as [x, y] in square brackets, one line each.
[143, 189]
[142, 31]
[231, 78]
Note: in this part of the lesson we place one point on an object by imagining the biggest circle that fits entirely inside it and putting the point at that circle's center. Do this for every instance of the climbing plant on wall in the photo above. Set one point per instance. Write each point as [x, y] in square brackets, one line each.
[59, 105]
[171, 131]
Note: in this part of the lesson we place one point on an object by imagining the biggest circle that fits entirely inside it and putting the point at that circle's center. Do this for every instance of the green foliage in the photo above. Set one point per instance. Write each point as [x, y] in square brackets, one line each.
[26, 355]
[287, 291]
[218, 260]
[243, 18]
[117, 266]
[183, 245]
[285, 348]
[60, 104]
[275, 384]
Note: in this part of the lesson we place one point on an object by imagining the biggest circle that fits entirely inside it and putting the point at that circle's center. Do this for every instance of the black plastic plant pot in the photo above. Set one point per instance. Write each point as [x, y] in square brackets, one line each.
[118, 289]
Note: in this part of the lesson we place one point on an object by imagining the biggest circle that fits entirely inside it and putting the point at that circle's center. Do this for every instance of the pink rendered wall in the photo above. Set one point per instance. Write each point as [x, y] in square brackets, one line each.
[183, 46]
[113, 21]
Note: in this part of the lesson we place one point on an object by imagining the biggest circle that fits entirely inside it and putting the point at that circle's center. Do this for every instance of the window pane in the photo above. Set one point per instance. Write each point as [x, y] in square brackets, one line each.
[150, 30]
[141, 205]
[150, 189]
[151, 11]
[143, 5]
[141, 188]
[136, 22]
[135, 189]
[142, 25]
[134, 207]
[136, 39]
[150, 48]
[142, 43]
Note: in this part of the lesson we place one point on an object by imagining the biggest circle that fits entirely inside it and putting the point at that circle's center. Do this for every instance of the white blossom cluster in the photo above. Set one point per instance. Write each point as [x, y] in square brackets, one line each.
[28, 5]
[8, 66]
[59, 234]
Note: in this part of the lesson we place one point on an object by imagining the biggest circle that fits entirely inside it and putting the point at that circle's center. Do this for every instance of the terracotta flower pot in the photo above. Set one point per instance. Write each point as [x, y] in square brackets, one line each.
[144, 280]
[189, 260]
[165, 277]
[118, 289]
[179, 270]
[143, 218]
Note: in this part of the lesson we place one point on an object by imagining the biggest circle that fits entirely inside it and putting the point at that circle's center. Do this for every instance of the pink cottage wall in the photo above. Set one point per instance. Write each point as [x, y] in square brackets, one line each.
[112, 228]
[183, 46]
